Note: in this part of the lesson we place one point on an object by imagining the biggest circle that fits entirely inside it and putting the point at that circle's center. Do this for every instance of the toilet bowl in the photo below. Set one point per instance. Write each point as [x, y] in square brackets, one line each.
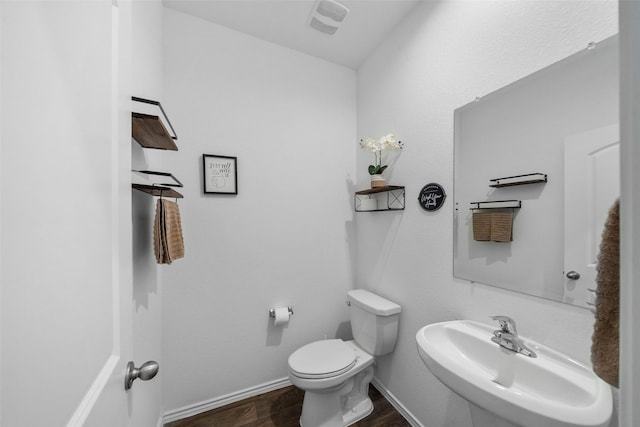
[329, 382]
[335, 374]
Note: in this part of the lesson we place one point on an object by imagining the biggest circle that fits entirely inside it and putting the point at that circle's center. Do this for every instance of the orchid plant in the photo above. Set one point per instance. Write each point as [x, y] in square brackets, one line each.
[377, 146]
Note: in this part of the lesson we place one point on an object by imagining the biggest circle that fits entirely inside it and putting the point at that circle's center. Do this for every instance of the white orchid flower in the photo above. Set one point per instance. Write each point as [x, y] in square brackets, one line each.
[371, 144]
[377, 146]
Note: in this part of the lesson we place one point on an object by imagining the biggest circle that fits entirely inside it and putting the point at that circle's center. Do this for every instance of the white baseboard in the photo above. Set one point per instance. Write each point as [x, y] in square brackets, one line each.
[198, 408]
[396, 404]
[90, 399]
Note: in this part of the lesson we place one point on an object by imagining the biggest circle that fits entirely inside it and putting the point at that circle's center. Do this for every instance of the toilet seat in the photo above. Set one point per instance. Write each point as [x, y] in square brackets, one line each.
[322, 359]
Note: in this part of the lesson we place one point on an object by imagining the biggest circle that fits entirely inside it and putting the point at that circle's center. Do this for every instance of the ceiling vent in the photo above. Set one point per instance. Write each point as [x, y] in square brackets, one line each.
[327, 16]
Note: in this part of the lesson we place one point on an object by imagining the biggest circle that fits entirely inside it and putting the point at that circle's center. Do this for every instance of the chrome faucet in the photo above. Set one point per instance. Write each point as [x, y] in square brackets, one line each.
[507, 337]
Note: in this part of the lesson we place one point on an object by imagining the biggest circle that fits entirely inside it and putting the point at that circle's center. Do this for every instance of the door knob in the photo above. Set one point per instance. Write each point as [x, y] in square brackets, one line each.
[573, 275]
[145, 372]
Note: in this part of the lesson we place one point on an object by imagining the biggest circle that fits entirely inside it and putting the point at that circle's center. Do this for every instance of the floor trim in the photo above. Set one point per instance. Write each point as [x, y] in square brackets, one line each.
[207, 405]
[92, 396]
[396, 403]
[198, 408]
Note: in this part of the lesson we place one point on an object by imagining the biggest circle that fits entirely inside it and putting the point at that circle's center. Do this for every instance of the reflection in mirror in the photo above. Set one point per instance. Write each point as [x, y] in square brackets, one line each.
[562, 122]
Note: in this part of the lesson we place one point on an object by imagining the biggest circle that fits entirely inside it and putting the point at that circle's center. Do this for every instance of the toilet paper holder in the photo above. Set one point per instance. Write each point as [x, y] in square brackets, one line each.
[272, 312]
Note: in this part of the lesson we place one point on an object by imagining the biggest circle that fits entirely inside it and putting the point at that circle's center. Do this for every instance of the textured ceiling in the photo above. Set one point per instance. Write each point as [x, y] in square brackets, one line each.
[285, 22]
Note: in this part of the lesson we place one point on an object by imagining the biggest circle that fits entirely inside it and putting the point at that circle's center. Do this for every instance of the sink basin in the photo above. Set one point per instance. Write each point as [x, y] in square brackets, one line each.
[550, 390]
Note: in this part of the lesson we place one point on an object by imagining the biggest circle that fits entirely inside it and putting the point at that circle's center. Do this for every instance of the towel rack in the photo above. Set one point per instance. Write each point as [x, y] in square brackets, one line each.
[497, 204]
[161, 189]
[157, 191]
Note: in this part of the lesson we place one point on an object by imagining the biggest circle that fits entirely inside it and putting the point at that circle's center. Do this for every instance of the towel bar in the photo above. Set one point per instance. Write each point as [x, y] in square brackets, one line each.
[497, 204]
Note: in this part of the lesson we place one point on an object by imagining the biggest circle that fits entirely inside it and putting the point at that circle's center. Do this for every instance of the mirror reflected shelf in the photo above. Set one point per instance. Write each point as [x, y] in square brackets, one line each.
[510, 181]
[496, 204]
[387, 198]
[150, 131]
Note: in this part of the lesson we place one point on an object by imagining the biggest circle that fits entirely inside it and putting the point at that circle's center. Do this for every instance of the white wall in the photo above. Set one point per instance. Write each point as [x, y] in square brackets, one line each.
[440, 58]
[146, 82]
[285, 239]
[59, 244]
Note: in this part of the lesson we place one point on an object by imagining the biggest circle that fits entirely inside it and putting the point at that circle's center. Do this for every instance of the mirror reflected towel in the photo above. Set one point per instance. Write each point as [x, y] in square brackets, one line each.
[493, 226]
[502, 227]
[168, 243]
[605, 341]
[481, 226]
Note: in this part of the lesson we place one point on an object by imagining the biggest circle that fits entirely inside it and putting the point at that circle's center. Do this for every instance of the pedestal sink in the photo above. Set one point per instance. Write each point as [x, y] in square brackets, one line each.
[551, 390]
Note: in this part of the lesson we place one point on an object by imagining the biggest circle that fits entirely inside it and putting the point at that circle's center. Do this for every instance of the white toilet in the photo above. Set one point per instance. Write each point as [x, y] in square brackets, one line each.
[335, 374]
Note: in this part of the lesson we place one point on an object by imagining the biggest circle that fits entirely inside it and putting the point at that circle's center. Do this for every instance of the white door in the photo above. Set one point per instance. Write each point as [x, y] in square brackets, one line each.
[592, 184]
[65, 215]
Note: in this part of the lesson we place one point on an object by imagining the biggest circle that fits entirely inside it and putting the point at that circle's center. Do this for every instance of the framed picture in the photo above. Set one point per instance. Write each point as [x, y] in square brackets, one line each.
[220, 174]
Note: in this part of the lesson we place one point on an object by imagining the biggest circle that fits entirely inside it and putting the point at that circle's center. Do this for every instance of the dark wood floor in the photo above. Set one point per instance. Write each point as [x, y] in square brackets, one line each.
[282, 408]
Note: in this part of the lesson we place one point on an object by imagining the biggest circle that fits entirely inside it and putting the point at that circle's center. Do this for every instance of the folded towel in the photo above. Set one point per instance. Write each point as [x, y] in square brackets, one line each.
[502, 227]
[493, 226]
[481, 226]
[158, 244]
[168, 243]
[605, 345]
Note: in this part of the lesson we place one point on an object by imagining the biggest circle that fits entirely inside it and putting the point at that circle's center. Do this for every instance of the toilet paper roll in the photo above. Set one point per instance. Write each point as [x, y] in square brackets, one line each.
[281, 317]
[368, 204]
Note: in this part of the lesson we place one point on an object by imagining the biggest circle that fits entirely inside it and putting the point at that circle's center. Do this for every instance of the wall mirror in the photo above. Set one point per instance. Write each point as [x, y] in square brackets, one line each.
[562, 122]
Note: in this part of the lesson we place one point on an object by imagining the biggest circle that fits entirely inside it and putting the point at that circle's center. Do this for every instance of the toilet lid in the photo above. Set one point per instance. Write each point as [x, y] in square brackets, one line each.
[322, 359]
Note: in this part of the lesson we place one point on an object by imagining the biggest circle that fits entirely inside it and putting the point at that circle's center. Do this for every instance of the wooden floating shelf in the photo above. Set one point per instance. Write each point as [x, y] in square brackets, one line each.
[380, 189]
[160, 189]
[393, 200]
[150, 132]
[510, 181]
[175, 182]
[157, 191]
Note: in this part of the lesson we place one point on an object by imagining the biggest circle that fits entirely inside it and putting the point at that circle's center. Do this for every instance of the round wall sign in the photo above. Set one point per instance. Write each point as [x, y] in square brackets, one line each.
[432, 197]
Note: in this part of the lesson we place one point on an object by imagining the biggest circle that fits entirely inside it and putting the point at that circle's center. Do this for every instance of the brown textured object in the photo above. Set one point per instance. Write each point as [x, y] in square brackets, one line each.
[605, 347]
[481, 226]
[168, 243]
[158, 246]
[502, 227]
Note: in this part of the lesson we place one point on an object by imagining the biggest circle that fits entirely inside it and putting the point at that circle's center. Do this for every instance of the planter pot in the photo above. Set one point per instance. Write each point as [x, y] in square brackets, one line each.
[377, 181]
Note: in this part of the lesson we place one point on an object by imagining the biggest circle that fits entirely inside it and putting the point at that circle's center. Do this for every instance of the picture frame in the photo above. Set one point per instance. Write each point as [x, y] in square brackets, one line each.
[220, 174]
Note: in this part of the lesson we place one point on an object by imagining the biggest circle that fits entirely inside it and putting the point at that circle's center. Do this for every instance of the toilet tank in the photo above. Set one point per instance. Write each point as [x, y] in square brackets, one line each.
[374, 321]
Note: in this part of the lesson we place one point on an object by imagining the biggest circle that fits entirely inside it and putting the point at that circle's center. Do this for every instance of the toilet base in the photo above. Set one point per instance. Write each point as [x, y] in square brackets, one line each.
[358, 412]
[346, 416]
[340, 407]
